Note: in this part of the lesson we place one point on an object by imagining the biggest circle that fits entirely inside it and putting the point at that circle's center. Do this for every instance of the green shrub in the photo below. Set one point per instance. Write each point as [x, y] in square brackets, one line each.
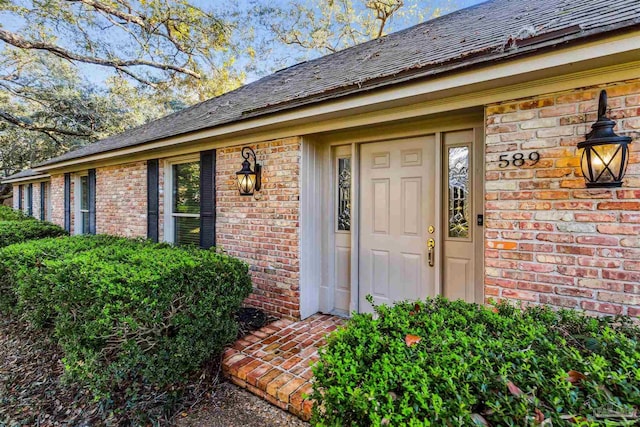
[9, 214]
[452, 363]
[19, 231]
[129, 314]
[26, 284]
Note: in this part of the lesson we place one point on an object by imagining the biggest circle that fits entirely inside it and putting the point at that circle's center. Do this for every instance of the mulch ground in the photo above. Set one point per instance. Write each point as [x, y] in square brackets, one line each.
[231, 406]
[32, 392]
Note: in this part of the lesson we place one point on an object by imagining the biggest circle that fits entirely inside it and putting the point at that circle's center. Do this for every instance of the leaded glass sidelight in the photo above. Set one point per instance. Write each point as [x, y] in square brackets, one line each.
[459, 200]
[344, 194]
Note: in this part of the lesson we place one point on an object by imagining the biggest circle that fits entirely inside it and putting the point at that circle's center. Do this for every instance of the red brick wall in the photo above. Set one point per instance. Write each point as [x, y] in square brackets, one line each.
[121, 200]
[261, 230]
[549, 239]
[264, 231]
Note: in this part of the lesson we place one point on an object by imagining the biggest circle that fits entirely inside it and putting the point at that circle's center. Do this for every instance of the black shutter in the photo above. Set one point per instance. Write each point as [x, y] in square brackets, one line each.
[67, 202]
[43, 200]
[153, 199]
[20, 191]
[30, 204]
[92, 200]
[207, 199]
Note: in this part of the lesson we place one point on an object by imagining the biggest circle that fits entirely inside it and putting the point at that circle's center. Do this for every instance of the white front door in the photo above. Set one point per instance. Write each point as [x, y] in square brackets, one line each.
[397, 207]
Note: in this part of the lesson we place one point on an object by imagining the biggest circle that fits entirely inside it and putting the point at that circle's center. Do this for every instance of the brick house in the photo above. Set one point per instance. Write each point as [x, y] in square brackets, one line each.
[441, 159]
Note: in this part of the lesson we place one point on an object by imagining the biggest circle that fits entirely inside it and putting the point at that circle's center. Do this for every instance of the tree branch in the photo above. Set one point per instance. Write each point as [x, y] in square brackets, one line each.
[115, 12]
[19, 42]
[47, 130]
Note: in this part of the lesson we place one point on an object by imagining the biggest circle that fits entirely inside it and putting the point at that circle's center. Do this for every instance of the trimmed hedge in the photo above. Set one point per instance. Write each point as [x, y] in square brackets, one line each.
[18, 231]
[128, 314]
[25, 286]
[10, 214]
[452, 363]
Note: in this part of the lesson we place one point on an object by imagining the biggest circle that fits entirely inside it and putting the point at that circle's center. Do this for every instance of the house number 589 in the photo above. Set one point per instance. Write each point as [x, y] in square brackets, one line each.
[518, 159]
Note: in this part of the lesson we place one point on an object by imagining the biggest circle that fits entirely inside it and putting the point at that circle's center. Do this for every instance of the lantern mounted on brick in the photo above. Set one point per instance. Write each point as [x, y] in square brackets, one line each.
[605, 155]
[249, 180]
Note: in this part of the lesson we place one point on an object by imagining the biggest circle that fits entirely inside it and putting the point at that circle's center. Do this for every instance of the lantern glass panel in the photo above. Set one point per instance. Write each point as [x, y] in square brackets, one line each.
[605, 162]
[246, 183]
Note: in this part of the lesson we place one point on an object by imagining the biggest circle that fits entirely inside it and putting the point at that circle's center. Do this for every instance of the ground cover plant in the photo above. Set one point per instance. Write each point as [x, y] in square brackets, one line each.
[133, 319]
[443, 363]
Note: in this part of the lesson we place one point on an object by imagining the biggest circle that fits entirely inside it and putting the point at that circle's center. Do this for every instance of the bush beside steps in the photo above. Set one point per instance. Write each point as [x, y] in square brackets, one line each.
[443, 363]
[128, 314]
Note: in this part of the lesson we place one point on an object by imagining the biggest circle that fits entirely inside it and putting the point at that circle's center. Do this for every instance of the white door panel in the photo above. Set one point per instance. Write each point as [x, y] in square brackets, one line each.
[397, 194]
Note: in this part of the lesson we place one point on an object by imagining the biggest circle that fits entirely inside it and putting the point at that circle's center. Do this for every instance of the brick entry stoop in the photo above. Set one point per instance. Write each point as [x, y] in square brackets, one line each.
[274, 362]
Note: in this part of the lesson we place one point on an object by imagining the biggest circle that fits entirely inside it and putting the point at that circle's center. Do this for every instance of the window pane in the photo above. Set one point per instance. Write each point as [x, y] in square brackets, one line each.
[187, 231]
[344, 194]
[84, 193]
[459, 209]
[186, 188]
[85, 222]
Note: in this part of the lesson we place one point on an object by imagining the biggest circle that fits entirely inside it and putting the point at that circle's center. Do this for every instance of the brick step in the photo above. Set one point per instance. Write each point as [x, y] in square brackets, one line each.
[275, 361]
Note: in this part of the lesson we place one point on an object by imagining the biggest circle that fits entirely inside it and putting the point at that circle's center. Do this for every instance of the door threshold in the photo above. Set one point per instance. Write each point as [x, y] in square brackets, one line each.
[340, 313]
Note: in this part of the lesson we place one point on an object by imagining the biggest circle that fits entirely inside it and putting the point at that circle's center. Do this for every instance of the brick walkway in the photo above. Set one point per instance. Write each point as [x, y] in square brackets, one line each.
[274, 361]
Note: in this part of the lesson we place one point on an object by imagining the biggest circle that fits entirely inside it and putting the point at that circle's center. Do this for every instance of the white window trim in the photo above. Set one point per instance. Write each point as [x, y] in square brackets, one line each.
[48, 205]
[169, 216]
[77, 203]
[26, 199]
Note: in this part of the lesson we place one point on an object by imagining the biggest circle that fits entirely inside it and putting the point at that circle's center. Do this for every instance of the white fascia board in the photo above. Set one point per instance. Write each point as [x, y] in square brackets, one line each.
[27, 179]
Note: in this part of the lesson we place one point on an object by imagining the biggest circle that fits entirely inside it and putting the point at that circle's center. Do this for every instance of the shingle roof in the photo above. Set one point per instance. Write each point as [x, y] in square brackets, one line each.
[27, 173]
[490, 31]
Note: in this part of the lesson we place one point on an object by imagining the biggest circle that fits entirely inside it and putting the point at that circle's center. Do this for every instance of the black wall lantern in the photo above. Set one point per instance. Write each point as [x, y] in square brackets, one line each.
[605, 155]
[249, 179]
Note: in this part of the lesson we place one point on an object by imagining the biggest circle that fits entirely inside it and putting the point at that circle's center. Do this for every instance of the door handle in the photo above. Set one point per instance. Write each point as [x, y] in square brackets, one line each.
[431, 249]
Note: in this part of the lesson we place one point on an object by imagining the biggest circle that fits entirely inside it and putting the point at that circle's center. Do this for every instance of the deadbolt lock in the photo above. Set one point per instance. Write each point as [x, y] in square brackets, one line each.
[431, 229]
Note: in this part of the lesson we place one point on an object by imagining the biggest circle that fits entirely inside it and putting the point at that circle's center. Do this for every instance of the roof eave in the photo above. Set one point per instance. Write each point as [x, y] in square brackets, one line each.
[478, 59]
[39, 177]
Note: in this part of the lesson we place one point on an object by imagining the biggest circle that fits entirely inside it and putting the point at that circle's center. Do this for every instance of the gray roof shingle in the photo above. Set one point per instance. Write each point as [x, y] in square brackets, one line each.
[490, 31]
[27, 173]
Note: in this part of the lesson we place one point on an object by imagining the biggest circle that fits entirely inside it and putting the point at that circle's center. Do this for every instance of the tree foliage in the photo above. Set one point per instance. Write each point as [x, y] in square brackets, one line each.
[155, 42]
[314, 28]
[75, 71]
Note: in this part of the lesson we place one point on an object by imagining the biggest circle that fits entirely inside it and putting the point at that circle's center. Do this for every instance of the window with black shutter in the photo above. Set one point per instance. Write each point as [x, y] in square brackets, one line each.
[207, 199]
[153, 198]
[67, 202]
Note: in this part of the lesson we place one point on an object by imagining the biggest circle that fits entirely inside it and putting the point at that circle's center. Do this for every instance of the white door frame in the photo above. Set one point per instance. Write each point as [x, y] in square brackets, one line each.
[354, 304]
[317, 206]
